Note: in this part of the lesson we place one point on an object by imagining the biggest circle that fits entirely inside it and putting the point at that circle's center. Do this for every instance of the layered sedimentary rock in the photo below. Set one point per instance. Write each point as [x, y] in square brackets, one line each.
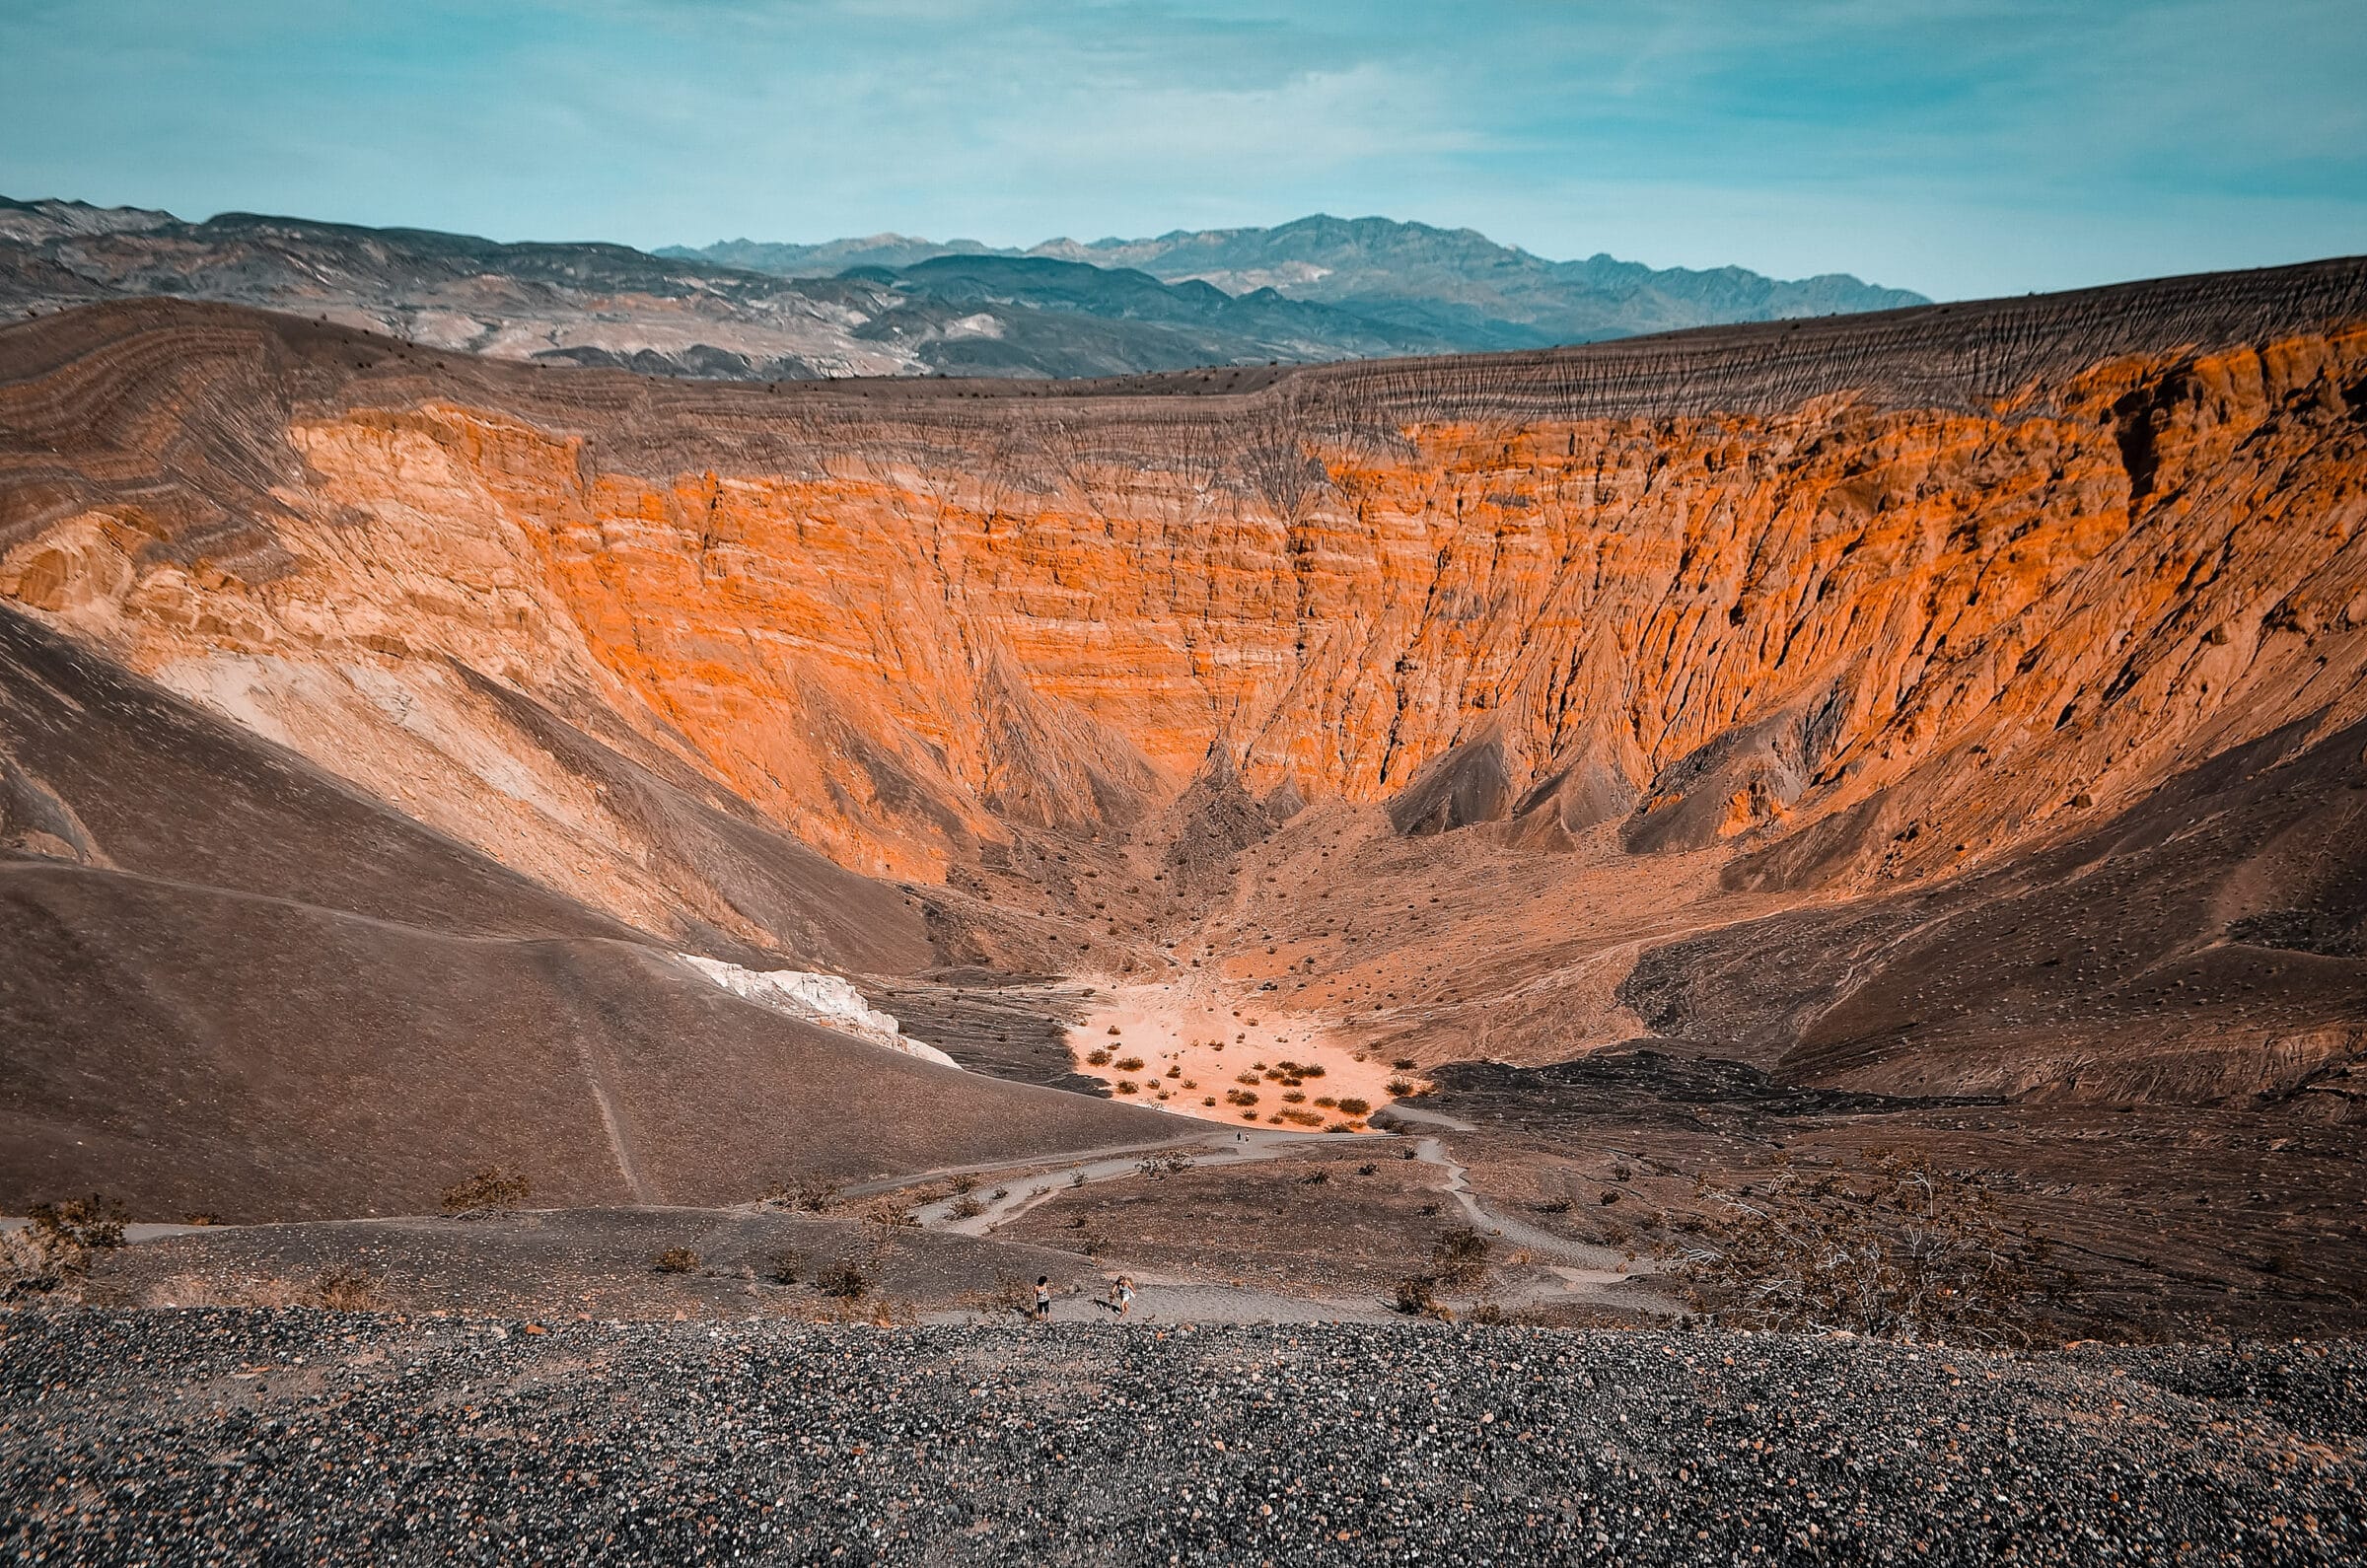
[1802, 612]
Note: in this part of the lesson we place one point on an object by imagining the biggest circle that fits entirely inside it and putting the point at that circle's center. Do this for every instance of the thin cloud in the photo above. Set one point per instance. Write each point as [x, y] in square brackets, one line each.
[1955, 146]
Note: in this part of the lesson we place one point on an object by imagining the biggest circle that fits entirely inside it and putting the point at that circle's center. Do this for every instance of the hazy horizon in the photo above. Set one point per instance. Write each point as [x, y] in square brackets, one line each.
[1956, 147]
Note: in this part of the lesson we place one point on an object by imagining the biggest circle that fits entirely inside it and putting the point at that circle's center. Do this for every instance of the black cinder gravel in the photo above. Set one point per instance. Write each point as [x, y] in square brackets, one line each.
[253, 1436]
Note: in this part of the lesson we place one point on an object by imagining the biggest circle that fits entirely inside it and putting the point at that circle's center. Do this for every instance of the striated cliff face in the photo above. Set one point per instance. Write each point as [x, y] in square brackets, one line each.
[891, 628]
[1809, 612]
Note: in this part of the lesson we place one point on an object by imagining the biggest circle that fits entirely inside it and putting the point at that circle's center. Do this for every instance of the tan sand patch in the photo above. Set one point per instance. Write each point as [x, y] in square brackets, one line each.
[1198, 1047]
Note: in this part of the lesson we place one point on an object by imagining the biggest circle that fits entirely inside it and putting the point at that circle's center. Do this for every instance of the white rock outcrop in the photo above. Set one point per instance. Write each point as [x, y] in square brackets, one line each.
[814, 998]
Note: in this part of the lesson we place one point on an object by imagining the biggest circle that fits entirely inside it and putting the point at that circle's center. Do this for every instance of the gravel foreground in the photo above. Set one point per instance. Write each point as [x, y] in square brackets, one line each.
[293, 1435]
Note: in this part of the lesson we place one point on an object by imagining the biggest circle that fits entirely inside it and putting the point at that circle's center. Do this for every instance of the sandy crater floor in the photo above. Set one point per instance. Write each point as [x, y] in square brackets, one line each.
[1186, 1044]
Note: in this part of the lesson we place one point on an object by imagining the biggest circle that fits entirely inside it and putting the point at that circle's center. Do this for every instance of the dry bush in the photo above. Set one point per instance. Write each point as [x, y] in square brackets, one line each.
[964, 1183]
[967, 1207]
[1352, 1106]
[1164, 1165]
[675, 1261]
[1459, 1258]
[1010, 1294]
[94, 1223]
[1398, 1087]
[1131, 1064]
[890, 1214]
[51, 1252]
[347, 1288]
[343, 1288]
[1098, 1058]
[811, 1194]
[494, 1189]
[844, 1280]
[1892, 1246]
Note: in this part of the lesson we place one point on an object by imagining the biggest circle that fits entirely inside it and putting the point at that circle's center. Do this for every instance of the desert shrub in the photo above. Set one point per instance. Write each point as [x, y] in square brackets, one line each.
[1314, 1178]
[1164, 1165]
[1250, 1080]
[1312, 1070]
[967, 1207]
[1099, 1058]
[1300, 1118]
[1368, 1170]
[1010, 1294]
[1125, 1085]
[1552, 1206]
[812, 1194]
[1416, 1296]
[1352, 1106]
[843, 1281]
[347, 1289]
[964, 1183]
[784, 1266]
[999, 1193]
[1240, 1096]
[1408, 1152]
[494, 1189]
[51, 1252]
[1404, 1064]
[1207, 1100]
[1131, 1064]
[94, 1223]
[675, 1261]
[1892, 1246]
[1077, 1179]
[891, 1213]
[1459, 1258]
[1397, 1088]
[1294, 1097]
[1113, 1028]
[1327, 1101]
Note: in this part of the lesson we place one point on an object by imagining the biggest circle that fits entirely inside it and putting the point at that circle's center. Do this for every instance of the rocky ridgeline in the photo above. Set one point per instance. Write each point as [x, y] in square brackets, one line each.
[224, 1436]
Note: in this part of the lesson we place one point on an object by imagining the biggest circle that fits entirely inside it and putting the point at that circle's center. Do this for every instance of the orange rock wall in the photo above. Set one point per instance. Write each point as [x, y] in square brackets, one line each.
[915, 629]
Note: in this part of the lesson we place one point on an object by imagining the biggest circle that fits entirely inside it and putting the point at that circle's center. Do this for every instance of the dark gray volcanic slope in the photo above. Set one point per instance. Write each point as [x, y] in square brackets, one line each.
[2242, 878]
[235, 986]
[212, 1436]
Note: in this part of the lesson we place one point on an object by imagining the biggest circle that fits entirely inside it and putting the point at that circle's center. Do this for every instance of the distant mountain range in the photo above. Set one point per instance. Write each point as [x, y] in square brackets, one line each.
[1319, 289]
[1456, 284]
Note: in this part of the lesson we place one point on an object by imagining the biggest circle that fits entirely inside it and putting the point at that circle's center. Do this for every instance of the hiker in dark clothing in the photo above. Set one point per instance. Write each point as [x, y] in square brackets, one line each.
[1043, 1297]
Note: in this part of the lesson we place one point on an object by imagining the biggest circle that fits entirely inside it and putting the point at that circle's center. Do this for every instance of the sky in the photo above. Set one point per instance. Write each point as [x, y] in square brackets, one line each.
[1957, 147]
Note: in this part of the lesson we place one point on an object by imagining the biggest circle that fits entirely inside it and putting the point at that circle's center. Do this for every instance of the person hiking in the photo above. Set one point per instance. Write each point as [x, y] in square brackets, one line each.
[1124, 1297]
[1043, 1297]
